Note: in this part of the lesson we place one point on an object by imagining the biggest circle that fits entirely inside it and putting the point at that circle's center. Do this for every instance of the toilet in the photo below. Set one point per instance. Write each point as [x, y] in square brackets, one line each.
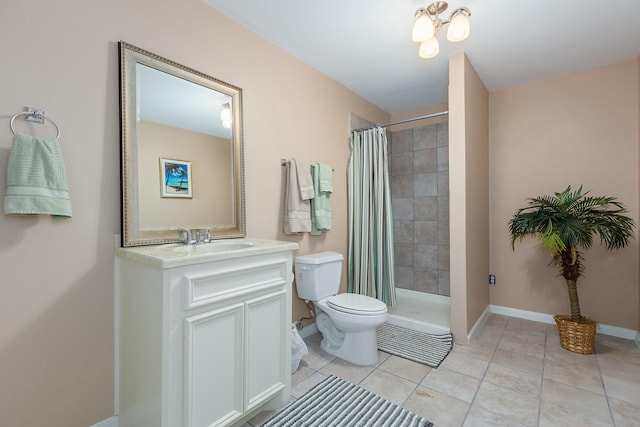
[348, 321]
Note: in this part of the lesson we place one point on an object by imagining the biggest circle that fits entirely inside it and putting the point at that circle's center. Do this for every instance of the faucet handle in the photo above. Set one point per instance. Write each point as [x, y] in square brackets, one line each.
[206, 236]
[188, 237]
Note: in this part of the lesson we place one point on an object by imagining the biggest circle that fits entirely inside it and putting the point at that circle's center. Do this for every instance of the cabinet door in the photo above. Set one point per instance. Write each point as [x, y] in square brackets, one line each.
[214, 367]
[266, 328]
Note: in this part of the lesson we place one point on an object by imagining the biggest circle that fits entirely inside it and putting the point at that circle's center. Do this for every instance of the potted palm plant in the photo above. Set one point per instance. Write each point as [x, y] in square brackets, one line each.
[565, 223]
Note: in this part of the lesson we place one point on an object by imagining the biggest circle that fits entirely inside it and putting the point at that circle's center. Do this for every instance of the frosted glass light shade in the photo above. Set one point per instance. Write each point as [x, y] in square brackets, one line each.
[225, 114]
[429, 48]
[459, 27]
[422, 29]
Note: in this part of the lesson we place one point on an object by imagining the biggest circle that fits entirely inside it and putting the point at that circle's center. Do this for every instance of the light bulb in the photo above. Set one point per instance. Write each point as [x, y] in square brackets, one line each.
[429, 49]
[225, 114]
[226, 124]
[459, 27]
[422, 28]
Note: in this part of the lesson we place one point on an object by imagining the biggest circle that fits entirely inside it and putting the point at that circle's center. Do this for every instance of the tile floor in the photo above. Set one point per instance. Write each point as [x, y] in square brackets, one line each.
[514, 374]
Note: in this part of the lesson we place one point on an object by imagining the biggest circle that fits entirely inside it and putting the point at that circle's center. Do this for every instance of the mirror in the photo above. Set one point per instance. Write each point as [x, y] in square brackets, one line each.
[181, 154]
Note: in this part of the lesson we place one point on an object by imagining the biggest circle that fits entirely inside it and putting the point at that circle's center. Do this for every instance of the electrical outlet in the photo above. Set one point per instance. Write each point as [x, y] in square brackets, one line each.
[492, 279]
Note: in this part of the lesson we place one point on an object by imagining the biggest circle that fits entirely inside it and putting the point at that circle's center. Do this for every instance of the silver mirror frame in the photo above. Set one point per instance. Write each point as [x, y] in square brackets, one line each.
[131, 234]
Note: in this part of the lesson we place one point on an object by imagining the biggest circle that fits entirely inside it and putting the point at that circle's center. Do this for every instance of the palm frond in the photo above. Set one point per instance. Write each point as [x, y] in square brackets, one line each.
[572, 217]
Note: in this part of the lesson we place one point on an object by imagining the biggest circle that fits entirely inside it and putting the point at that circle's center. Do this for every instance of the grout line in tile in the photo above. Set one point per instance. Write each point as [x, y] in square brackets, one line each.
[475, 395]
[604, 387]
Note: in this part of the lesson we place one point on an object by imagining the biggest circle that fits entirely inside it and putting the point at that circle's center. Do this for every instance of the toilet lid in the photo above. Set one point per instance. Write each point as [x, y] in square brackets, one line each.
[356, 304]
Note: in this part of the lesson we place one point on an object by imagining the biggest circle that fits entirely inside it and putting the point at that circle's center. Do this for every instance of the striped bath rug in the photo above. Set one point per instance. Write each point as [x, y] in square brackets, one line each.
[420, 347]
[338, 403]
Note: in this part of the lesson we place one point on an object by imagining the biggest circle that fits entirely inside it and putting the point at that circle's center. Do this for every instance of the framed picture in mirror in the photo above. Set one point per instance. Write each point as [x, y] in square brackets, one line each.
[175, 178]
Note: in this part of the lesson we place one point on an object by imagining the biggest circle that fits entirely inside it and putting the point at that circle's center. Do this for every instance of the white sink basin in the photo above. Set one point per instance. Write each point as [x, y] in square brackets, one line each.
[217, 246]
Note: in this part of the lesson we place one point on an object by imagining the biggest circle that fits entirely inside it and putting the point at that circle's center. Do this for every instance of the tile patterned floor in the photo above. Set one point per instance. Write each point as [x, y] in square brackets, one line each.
[514, 374]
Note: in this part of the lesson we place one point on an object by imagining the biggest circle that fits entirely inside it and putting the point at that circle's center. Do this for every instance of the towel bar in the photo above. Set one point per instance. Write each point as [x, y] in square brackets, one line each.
[283, 162]
[35, 115]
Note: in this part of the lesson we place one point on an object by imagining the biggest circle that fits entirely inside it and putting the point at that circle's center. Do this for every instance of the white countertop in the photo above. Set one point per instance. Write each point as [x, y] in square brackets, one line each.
[177, 254]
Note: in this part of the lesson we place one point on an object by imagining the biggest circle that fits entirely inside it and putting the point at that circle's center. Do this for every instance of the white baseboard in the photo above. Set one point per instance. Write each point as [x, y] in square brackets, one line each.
[613, 331]
[522, 314]
[479, 323]
[616, 331]
[110, 422]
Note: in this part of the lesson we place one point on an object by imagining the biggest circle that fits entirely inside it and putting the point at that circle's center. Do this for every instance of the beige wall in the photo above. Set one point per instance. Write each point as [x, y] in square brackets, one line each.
[56, 304]
[579, 129]
[476, 99]
[469, 195]
[423, 111]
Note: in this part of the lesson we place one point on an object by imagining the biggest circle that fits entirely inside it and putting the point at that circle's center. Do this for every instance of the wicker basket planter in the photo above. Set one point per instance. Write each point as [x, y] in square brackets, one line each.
[576, 337]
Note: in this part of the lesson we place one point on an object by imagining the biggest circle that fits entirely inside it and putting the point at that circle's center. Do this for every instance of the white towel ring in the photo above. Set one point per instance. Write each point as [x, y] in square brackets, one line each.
[31, 114]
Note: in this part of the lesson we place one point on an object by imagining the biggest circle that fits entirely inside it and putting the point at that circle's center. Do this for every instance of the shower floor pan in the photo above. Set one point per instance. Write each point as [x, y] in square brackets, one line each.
[421, 311]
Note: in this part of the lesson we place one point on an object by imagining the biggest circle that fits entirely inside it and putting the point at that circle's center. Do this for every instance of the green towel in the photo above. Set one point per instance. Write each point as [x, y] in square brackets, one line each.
[325, 177]
[36, 179]
[321, 203]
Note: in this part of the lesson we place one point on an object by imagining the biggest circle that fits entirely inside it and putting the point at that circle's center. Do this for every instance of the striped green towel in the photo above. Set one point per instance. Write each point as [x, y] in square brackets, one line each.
[37, 179]
[321, 203]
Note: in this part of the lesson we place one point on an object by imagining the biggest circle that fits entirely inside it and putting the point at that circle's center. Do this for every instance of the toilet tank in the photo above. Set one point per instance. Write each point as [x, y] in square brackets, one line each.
[318, 275]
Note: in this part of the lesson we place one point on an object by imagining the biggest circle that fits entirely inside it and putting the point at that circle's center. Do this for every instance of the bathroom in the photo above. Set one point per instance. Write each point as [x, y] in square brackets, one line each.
[57, 316]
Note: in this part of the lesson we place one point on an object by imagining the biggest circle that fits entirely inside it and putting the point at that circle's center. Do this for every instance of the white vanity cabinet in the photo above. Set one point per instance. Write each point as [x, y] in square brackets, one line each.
[204, 337]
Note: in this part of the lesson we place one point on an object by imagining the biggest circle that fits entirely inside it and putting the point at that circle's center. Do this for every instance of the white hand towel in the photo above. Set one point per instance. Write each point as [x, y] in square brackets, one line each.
[305, 181]
[297, 211]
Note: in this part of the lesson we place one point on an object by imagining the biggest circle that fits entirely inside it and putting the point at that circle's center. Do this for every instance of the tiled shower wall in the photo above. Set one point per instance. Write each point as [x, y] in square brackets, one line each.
[419, 160]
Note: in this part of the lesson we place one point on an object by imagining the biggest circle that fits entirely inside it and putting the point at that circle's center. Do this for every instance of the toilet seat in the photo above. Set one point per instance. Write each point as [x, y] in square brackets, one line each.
[356, 304]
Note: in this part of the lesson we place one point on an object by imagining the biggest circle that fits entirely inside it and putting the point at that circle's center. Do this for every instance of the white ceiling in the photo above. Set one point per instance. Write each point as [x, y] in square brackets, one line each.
[366, 45]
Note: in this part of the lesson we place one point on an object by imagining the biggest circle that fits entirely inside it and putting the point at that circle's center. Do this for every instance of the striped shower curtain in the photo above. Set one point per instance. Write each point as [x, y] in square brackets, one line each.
[370, 260]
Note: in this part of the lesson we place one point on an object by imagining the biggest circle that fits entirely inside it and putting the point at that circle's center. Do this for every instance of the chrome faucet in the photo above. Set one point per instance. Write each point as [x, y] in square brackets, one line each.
[189, 240]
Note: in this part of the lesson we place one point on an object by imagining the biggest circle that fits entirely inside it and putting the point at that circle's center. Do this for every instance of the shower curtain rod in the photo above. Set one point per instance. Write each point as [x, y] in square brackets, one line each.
[413, 119]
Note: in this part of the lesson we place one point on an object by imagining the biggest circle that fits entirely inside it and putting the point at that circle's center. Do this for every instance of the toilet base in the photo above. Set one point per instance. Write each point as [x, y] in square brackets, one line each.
[357, 347]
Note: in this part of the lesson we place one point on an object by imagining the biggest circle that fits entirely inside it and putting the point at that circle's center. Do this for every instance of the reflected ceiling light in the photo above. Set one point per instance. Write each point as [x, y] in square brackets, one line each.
[225, 115]
[428, 23]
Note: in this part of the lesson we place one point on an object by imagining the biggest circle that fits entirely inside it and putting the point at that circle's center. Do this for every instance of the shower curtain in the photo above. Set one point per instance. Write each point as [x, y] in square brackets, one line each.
[370, 267]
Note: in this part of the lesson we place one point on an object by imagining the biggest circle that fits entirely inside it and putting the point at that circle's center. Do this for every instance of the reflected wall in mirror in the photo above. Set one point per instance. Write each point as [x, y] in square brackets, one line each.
[182, 151]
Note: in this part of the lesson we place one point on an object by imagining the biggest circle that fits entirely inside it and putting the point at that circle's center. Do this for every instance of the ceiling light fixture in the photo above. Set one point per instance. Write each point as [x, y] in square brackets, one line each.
[225, 115]
[428, 23]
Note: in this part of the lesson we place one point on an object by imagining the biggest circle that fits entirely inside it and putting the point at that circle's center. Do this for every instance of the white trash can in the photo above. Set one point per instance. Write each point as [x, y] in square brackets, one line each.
[298, 348]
